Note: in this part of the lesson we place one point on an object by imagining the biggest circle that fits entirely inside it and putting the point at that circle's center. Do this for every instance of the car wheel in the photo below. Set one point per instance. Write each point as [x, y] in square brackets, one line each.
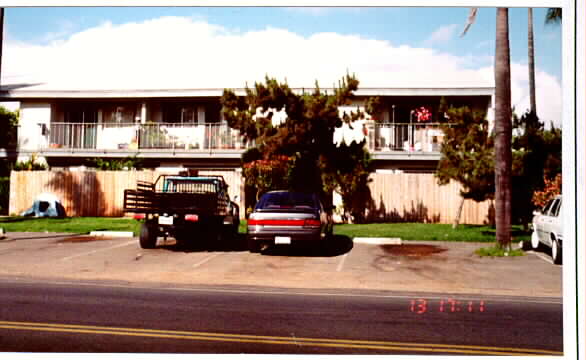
[148, 237]
[556, 252]
[535, 243]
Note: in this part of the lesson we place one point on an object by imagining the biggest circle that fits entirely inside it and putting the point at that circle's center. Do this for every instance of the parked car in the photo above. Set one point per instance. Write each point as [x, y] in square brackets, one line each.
[547, 228]
[285, 218]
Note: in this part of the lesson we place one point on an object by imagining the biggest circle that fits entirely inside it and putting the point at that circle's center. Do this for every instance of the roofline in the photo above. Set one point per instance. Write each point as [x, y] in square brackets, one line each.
[15, 95]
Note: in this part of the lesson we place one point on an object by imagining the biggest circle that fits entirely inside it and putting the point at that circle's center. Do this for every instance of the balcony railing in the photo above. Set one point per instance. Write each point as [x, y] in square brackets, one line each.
[391, 137]
[422, 137]
[103, 136]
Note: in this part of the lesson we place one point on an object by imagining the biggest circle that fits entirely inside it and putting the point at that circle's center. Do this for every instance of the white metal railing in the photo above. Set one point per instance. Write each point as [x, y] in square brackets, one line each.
[382, 137]
[422, 137]
[104, 136]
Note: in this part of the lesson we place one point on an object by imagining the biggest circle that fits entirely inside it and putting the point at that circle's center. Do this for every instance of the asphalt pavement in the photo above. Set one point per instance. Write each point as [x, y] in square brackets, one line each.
[50, 316]
[414, 266]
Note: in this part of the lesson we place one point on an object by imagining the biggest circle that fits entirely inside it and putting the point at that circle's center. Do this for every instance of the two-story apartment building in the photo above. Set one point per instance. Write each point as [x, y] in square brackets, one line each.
[184, 127]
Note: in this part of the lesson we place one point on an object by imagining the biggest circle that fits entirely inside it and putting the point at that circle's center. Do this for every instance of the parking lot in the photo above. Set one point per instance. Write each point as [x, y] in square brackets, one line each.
[412, 266]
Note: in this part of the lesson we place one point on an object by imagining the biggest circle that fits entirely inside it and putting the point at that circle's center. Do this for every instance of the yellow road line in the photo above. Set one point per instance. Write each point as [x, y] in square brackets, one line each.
[356, 344]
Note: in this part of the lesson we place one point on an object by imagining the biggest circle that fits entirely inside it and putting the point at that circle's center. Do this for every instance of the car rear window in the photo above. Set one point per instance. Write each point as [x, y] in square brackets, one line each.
[287, 200]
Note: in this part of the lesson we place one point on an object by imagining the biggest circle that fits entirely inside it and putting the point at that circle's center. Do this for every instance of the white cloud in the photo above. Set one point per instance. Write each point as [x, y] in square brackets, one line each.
[548, 93]
[183, 53]
[443, 34]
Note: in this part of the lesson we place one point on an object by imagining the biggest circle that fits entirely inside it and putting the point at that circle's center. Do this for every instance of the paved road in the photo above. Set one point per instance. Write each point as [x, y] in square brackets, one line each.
[106, 317]
[443, 267]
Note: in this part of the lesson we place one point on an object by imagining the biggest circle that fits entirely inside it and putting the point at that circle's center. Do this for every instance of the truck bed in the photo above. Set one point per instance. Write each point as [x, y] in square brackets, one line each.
[170, 197]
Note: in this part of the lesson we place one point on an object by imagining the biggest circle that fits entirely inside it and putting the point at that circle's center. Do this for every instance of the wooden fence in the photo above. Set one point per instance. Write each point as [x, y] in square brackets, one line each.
[395, 197]
[418, 198]
[92, 193]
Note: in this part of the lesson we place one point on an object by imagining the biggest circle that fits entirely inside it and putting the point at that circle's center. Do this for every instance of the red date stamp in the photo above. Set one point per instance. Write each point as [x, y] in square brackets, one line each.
[450, 305]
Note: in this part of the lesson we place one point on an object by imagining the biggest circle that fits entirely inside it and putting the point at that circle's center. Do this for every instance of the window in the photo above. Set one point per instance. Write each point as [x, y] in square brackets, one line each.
[287, 200]
[555, 208]
[547, 207]
[121, 113]
[183, 113]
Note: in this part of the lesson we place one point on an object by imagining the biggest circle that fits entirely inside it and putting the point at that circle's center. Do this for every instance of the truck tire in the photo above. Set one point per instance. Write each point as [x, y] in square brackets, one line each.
[148, 237]
[253, 246]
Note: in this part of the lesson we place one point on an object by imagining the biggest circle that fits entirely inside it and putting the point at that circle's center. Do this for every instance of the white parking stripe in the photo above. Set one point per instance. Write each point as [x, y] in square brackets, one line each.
[99, 250]
[206, 260]
[541, 256]
[341, 263]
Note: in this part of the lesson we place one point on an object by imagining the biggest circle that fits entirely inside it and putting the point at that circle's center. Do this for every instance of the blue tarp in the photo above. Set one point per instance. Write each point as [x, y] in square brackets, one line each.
[45, 206]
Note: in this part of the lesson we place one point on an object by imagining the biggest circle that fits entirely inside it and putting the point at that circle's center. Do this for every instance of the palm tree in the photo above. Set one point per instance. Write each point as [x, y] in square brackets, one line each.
[553, 16]
[503, 125]
[1, 37]
[531, 51]
[503, 129]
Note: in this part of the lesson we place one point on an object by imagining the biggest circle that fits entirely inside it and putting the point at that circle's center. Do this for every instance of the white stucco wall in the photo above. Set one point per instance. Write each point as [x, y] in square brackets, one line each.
[29, 132]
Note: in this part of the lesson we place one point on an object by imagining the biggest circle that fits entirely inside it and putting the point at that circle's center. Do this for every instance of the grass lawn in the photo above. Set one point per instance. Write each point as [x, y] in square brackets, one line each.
[427, 232]
[405, 231]
[82, 225]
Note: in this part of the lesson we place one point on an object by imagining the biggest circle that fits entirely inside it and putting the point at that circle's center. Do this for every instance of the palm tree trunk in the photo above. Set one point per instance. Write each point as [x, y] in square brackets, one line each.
[531, 60]
[1, 39]
[503, 130]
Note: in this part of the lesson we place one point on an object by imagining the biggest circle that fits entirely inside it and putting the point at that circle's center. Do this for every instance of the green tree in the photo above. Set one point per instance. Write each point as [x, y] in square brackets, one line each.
[467, 156]
[347, 170]
[8, 128]
[529, 157]
[300, 127]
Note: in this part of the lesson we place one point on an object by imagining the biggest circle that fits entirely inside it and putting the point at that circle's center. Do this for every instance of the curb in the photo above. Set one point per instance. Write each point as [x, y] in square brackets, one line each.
[377, 241]
[113, 233]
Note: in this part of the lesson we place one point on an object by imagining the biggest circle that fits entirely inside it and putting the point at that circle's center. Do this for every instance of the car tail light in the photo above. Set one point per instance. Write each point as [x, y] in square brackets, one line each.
[311, 223]
[275, 222]
[191, 217]
[285, 222]
[139, 216]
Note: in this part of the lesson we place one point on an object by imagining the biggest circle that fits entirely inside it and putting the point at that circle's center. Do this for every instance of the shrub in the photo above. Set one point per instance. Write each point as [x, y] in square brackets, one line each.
[33, 163]
[128, 163]
[4, 194]
[550, 190]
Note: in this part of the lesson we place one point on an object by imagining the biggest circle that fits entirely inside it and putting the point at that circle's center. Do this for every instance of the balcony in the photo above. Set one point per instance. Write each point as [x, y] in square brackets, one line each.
[384, 141]
[131, 137]
[421, 137]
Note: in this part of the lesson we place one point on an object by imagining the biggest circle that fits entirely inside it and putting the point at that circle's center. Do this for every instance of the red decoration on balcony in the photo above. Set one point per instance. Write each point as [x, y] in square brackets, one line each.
[422, 114]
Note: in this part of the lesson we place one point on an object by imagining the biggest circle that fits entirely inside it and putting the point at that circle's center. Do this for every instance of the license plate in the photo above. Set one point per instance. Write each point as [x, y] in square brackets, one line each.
[166, 220]
[282, 240]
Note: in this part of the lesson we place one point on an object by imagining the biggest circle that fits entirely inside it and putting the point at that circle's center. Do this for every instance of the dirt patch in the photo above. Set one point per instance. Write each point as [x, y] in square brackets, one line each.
[413, 251]
[82, 239]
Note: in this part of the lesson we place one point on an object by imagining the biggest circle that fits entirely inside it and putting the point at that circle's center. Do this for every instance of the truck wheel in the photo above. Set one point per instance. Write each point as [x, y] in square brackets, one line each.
[148, 237]
[253, 246]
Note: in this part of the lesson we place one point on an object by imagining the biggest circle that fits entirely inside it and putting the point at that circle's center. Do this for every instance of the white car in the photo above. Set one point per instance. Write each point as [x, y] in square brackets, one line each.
[547, 228]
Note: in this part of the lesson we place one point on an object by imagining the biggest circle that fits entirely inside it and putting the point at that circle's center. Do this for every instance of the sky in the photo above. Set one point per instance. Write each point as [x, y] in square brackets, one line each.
[105, 48]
